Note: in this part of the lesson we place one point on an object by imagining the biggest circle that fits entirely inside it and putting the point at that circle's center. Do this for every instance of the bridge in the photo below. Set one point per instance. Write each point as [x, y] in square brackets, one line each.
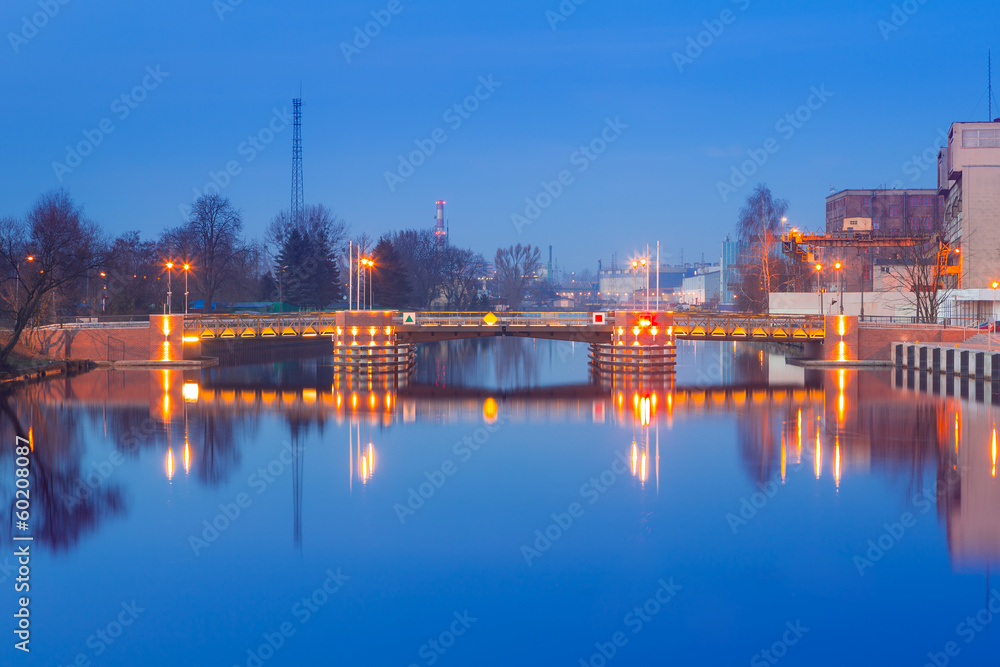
[363, 327]
[623, 340]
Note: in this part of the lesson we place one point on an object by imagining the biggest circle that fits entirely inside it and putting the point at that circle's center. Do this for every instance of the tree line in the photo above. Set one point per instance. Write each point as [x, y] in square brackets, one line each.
[55, 263]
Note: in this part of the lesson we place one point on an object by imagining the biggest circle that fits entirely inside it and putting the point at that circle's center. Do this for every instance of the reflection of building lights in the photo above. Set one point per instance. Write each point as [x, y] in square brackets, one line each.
[841, 327]
[644, 411]
[819, 456]
[836, 463]
[635, 456]
[367, 464]
[190, 339]
[190, 391]
[490, 410]
[354, 401]
[994, 452]
[783, 457]
[170, 463]
[798, 439]
[187, 458]
[642, 472]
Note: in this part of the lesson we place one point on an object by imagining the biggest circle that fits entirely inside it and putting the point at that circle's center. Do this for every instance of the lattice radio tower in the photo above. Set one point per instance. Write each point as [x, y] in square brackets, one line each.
[298, 199]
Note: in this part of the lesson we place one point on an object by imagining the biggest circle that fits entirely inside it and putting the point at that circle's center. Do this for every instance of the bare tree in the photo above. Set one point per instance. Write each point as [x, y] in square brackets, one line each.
[762, 268]
[516, 268]
[215, 233]
[43, 255]
[460, 272]
[420, 256]
[922, 278]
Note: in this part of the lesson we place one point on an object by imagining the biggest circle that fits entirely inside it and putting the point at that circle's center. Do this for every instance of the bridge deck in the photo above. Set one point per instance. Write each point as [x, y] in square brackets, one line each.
[578, 327]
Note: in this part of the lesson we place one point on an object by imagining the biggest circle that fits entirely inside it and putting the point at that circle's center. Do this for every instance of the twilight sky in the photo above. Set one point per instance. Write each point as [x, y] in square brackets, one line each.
[639, 123]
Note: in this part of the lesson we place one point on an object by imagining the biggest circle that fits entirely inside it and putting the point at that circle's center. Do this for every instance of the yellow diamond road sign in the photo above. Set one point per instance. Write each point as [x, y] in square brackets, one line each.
[490, 319]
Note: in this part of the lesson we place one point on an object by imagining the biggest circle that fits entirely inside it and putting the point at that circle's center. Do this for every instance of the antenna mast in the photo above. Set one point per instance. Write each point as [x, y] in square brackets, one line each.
[297, 196]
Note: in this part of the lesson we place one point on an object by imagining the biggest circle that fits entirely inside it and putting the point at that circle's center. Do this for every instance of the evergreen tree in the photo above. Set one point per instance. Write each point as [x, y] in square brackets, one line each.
[390, 281]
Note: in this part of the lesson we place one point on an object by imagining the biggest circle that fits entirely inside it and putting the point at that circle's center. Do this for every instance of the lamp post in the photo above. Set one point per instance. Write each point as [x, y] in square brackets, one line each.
[104, 292]
[281, 279]
[645, 265]
[840, 278]
[635, 265]
[187, 270]
[819, 269]
[17, 293]
[993, 313]
[369, 288]
[170, 273]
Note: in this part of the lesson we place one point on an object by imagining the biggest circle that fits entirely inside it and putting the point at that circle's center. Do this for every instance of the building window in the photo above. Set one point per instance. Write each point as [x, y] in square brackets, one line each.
[980, 138]
[914, 200]
[867, 201]
[876, 223]
[894, 211]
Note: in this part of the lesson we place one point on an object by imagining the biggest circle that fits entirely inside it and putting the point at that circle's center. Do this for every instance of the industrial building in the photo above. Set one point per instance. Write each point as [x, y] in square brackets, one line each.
[887, 214]
[969, 185]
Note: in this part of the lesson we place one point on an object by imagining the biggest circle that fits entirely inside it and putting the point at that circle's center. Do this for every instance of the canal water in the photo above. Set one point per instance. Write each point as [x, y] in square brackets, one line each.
[502, 507]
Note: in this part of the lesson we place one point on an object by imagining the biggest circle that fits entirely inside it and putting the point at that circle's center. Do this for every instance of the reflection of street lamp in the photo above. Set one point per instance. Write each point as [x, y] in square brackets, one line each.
[187, 270]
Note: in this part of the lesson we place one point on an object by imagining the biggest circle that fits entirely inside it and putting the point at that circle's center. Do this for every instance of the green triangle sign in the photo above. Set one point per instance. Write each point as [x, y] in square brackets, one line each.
[409, 319]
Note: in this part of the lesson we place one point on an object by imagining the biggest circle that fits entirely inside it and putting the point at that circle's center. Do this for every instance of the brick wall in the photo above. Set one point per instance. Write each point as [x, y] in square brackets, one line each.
[160, 341]
[875, 343]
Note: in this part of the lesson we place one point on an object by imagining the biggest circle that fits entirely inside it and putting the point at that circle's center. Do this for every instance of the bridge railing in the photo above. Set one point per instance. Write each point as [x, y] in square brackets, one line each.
[740, 325]
[503, 319]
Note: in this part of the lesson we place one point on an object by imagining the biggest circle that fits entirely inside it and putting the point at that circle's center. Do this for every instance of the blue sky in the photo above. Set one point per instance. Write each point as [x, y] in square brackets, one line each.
[225, 69]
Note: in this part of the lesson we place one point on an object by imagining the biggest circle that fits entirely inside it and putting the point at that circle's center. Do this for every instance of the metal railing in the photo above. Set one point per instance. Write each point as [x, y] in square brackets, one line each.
[750, 327]
[893, 320]
[503, 319]
[265, 326]
[95, 325]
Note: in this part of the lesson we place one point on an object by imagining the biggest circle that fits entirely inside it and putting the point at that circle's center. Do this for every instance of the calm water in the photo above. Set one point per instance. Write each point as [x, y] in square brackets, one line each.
[500, 508]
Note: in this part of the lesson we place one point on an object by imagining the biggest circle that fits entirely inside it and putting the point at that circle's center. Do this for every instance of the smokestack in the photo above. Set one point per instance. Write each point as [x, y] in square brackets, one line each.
[439, 230]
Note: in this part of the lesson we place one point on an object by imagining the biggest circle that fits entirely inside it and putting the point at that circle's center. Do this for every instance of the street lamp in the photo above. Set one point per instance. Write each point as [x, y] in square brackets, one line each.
[819, 269]
[840, 278]
[993, 314]
[17, 293]
[187, 270]
[281, 278]
[104, 292]
[170, 272]
[635, 265]
[646, 266]
[368, 264]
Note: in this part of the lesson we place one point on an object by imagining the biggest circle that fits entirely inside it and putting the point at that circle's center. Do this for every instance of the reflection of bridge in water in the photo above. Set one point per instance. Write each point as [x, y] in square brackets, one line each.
[846, 426]
[620, 341]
